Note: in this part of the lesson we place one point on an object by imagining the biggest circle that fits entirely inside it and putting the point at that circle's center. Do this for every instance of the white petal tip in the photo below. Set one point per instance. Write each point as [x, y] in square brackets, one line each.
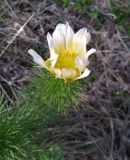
[67, 23]
[58, 73]
[84, 74]
[49, 37]
[68, 74]
[91, 51]
[37, 59]
[31, 52]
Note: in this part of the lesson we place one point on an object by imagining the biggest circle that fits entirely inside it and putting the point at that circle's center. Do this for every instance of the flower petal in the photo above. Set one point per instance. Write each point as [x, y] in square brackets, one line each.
[81, 62]
[68, 74]
[91, 51]
[37, 59]
[61, 27]
[58, 38]
[84, 74]
[69, 36]
[50, 40]
[57, 72]
[84, 35]
[80, 40]
[62, 37]
[53, 57]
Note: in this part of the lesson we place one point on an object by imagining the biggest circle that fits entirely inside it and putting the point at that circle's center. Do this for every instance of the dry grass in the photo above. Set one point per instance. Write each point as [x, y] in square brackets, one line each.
[101, 129]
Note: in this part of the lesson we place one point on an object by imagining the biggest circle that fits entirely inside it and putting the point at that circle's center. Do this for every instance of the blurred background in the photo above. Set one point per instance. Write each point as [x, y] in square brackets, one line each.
[101, 129]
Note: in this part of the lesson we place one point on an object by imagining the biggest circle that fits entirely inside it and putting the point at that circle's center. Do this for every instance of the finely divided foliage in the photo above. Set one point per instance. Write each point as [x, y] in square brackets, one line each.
[53, 94]
[21, 127]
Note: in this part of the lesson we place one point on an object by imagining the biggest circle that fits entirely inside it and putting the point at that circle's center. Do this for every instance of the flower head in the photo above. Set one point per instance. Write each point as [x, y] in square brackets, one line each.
[68, 56]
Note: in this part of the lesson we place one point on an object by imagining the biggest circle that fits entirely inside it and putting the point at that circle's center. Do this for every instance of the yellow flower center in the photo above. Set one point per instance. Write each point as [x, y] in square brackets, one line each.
[66, 59]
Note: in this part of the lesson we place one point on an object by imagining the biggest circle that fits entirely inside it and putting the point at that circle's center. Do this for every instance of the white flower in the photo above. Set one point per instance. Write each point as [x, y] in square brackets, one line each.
[68, 56]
